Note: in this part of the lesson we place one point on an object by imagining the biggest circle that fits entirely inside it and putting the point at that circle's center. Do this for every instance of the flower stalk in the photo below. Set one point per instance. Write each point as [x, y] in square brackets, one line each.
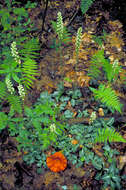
[77, 43]
[59, 31]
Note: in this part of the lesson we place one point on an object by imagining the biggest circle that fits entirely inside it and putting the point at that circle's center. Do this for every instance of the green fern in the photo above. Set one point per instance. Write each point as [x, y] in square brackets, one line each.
[3, 90]
[29, 49]
[108, 96]
[3, 120]
[15, 104]
[29, 69]
[111, 70]
[85, 5]
[99, 64]
[97, 61]
[109, 135]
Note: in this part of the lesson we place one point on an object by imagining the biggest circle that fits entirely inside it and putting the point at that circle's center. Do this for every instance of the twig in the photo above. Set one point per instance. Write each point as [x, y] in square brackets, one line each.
[44, 15]
[73, 17]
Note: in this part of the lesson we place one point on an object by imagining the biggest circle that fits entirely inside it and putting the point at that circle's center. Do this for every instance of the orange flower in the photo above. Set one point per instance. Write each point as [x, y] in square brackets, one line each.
[56, 162]
[74, 141]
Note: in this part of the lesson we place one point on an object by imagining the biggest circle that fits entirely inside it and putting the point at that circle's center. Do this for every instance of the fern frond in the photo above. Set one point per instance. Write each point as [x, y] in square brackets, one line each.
[29, 69]
[3, 90]
[97, 61]
[110, 135]
[85, 5]
[107, 67]
[108, 96]
[15, 103]
[30, 49]
[111, 70]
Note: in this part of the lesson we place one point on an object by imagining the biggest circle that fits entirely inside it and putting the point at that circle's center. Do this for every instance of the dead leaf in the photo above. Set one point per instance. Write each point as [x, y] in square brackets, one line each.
[115, 40]
[115, 24]
[83, 81]
[71, 61]
[121, 161]
[67, 84]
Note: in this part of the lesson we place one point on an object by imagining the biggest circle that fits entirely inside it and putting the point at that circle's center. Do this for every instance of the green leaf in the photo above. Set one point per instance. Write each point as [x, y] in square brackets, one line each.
[68, 114]
[85, 5]
[28, 111]
[3, 90]
[20, 11]
[3, 120]
[15, 77]
[5, 19]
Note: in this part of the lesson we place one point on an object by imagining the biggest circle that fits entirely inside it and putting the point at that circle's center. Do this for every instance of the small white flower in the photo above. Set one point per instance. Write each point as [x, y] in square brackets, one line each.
[14, 52]
[78, 39]
[9, 85]
[21, 91]
[52, 127]
[115, 64]
[92, 117]
[59, 26]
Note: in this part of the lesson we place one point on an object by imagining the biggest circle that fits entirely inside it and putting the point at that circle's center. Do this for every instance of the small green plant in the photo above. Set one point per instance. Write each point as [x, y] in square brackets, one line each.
[8, 94]
[59, 26]
[17, 71]
[110, 177]
[61, 30]
[62, 33]
[78, 42]
[20, 69]
[99, 64]
[13, 124]
[112, 71]
[40, 128]
[99, 68]
[109, 174]
[17, 54]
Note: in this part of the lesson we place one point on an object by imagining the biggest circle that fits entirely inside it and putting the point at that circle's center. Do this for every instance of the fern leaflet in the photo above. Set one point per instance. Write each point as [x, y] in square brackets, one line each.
[3, 120]
[110, 135]
[30, 49]
[97, 61]
[29, 69]
[107, 96]
[15, 103]
[3, 90]
[85, 5]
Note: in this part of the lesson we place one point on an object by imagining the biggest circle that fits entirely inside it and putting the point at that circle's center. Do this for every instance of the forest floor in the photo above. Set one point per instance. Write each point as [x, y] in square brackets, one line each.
[15, 173]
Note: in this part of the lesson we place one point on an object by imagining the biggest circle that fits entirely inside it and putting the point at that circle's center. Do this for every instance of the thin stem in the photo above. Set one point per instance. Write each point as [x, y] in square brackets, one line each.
[44, 15]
